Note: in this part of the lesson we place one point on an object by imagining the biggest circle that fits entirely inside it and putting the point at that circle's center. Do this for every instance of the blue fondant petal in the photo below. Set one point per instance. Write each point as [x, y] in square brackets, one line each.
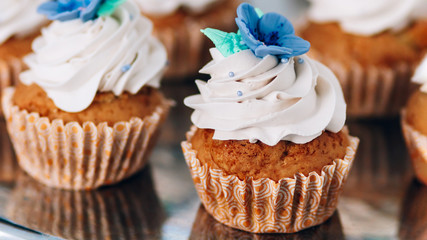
[249, 16]
[247, 37]
[65, 10]
[297, 44]
[264, 50]
[90, 11]
[274, 22]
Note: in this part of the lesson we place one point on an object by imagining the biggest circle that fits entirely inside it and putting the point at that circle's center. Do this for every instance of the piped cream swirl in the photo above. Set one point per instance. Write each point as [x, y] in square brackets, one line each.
[165, 7]
[73, 60]
[368, 17]
[19, 18]
[250, 98]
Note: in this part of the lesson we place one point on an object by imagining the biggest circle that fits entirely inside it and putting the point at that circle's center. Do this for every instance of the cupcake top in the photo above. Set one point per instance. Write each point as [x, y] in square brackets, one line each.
[166, 7]
[368, 17]
[19, 18]
[263, 87]
[91, 46]
[420, 75]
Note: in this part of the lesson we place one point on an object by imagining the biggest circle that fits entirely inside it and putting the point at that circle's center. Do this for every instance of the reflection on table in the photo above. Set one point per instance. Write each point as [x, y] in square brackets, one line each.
[130, 210]
[206, 227]
[413, 223]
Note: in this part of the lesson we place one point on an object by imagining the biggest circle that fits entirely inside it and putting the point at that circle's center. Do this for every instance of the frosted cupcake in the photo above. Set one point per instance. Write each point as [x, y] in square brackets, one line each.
[373, 48]
[88, 111]
[269, 151]
[19, 25]
[177, 24]
[414, 125]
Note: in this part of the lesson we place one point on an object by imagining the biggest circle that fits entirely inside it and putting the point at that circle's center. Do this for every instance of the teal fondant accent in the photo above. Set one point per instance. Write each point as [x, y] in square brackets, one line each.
[227, 43]
[259, 12]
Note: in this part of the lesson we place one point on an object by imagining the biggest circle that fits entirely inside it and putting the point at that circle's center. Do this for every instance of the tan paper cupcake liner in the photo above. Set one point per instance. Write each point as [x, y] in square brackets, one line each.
[371, 91]
[266, 206]
[9, 73]
[187, 47]
[417, 146]
[74, 156]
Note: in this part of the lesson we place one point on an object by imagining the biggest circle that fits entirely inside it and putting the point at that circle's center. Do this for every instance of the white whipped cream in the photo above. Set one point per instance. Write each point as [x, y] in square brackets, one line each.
[19, 18]
[368, 17]
[420, 75]
[264, 99]
[73, 60]
[165, 7]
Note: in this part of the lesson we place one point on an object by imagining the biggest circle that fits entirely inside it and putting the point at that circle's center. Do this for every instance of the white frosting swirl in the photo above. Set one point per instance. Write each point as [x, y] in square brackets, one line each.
[420, 75]
[73, 60]
[279, 101]
[368, 17]
[19, 18]
[165, 7]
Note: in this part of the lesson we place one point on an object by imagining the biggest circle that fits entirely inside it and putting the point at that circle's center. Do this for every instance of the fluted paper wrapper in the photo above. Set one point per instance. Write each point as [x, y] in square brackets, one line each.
[266, 206]
[417, 146]
[75, 156]
[187, 47]
[9, 73]
[371, 91]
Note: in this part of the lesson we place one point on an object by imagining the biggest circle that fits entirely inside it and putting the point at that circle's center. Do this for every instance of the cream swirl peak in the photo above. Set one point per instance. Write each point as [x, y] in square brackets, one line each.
[72, 60]
[267, 99]
[263, 87]
[165, 7]
[367, 17]
[19, 18]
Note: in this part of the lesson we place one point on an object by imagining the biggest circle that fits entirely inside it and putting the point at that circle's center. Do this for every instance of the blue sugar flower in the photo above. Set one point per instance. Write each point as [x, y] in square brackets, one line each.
[269, 34]
[65, 10]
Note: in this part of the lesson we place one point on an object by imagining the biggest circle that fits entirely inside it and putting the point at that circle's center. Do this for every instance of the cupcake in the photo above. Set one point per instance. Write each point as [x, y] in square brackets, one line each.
[177, 24]
[372, 48]
[414, 126]
[118, 212]
[88, 110]
[269, 152]
[19, 25]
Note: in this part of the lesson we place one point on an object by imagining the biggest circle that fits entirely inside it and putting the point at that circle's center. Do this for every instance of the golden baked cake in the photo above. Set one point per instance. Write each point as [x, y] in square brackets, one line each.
[105, 107]
[88, 111]
[268, 134]
[372, 48]
[259, 160]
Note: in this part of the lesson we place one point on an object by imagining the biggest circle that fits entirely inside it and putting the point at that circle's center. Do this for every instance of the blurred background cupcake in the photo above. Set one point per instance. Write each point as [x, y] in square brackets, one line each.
[130, 210]
[414, 123]
[177, 24]
[19, 25]
[373, 48]
[88, 110]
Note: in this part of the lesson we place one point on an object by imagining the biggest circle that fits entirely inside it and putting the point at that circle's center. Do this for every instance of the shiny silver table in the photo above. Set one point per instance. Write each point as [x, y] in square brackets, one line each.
[381, 199]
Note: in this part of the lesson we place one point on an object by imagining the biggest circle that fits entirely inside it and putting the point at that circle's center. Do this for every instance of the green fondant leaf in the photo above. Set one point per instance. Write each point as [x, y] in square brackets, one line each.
[227, 43]
[109, 7]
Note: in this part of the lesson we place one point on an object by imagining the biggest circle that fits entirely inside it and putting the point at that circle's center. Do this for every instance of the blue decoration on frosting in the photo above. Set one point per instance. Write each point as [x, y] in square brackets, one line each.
[125, 68]
[269, 34]
[66, 10]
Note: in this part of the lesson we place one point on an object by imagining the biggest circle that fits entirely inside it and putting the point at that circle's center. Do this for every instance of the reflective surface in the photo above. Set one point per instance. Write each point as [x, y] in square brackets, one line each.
[381, 199]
